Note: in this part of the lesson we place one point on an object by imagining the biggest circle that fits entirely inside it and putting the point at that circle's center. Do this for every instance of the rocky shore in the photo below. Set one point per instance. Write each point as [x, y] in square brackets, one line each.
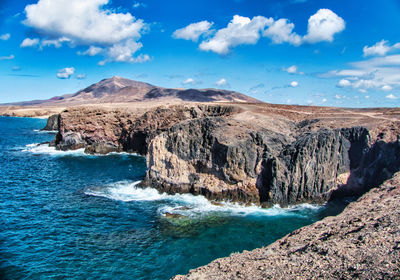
[363, 242]
[251, 153]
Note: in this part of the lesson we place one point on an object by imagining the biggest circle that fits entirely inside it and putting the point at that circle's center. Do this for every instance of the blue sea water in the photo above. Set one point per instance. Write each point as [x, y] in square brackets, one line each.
[67, 215]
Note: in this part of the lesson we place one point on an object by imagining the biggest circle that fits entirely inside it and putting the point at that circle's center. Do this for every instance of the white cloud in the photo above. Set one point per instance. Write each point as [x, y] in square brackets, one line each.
[189, 81]
[28, 42]
[294, 84]
[324, 100]
[221, 82]
[138, 5]
[386, 88]
[142, 58]
[380, 48]
[57, 43]
[88, 23]
[344, 83]
[193, 31]
[240, 31]
[281, 31]
[5, 37]
[123, 52]
[378, 73]
[291, 70]
[81, 76]
[391, 96]
[65, 73]
[91, 51]
[10, 57]
[323, 25]
[82, 21]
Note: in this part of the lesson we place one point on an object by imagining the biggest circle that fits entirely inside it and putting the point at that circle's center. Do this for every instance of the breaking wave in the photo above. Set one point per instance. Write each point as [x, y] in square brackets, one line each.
[45, 149]
[189, 205]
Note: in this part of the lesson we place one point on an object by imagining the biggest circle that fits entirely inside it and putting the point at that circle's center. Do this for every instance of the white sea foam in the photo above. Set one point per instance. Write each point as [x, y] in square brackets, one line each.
[45, 149]
[45, 131]
[188, 204]
[126, 191]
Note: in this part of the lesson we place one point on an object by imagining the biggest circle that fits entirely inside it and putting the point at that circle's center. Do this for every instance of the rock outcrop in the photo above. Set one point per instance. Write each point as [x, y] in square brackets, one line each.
[52, 123]
[363, 242]
[241, 153]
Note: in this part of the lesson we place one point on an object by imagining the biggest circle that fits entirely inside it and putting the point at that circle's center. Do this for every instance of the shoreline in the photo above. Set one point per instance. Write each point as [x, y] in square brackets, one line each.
[270, 139]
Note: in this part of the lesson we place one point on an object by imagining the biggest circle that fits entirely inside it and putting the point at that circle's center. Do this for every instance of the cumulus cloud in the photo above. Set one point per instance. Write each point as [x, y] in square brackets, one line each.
[91, 51]
[81, 76]
[5, 37]
[189, 81]
[28, 42]
[323, 26]
[387, 88]
[344, 83]
[10, 57]
[380, 48]
[222, 83]
[391, 96]
[82, 21]
[240, 31]
[65, 73]
[193, 31]
[57, 43]
[281, 31]
[87, 23]
[294, 84]
[123, 52]
[291, 70]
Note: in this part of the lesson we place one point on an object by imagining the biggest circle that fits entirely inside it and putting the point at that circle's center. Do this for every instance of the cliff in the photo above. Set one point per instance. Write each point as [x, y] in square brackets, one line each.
[251, 153]
[363, 242]
[52, 123]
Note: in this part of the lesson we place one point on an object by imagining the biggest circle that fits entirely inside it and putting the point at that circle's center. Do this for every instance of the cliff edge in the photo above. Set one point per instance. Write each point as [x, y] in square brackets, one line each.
[251, 153]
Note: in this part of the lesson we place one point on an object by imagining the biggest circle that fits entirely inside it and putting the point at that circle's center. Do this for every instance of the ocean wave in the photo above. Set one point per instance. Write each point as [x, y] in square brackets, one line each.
[125, 191]
[45, 149]
[45, 131]
[189, 205]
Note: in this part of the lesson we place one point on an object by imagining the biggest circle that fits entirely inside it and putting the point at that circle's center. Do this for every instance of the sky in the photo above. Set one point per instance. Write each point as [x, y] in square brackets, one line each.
[308, 52]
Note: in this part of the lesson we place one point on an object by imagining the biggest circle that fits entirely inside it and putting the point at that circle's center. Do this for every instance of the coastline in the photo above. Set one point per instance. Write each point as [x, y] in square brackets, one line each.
[147, 133]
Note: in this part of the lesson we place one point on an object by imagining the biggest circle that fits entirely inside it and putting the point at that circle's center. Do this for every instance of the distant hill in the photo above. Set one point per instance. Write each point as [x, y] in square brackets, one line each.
[120, 90]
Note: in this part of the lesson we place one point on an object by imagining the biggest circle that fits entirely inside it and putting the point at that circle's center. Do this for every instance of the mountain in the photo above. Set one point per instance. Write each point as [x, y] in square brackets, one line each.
[121, 90]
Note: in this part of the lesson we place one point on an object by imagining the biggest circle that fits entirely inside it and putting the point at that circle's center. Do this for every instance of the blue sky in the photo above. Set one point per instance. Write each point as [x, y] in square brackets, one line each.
[308, 52]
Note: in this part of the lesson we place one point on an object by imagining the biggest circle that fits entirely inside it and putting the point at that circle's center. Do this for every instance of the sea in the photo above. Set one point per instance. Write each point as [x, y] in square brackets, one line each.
[68, 215]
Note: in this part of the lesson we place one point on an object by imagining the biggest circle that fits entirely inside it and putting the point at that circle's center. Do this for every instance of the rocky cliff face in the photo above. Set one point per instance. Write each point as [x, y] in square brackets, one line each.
[52, 123]
[241, 153]
[363, 242]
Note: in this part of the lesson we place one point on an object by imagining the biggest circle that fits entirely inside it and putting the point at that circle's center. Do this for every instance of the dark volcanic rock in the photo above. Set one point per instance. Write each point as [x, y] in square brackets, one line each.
[223, 152]
[52, 123]
[363, 242]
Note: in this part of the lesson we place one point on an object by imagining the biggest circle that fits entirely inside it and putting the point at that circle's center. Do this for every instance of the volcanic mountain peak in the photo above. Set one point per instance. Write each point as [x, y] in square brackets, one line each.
[122, 90]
